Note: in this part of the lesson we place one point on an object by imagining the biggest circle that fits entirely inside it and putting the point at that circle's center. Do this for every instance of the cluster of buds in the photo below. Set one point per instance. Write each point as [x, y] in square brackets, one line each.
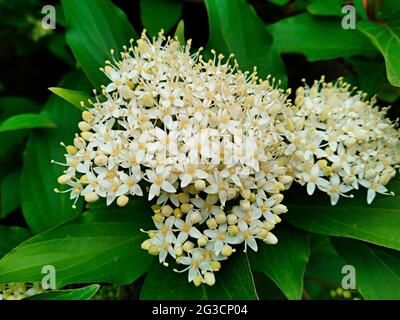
[19, 291]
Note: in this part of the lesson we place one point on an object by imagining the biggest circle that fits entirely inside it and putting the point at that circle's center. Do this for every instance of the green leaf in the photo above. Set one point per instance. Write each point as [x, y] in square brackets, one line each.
[280, 2]
[160, 14]
[266, 288]
[12, 105]
[377, 271]
[95, 27]
[233, 282]
[180, 32]
[386, 38]
[235, 28]
[318, 38]
[326, 7]
[324, 264]
[74, 97]
[10, 237]
[10, 187]
[103, 245]
[84, 293]
[11, 145]
[359, 6]
[26, 121]
[377, 223]
[41, 206]
[58, 46]
[389, 9]
[371, 76]
[284, 263]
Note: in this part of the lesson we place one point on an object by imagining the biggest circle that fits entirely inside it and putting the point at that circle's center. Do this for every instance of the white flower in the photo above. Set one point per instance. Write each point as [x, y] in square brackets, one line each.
[194, 262]
[197, 136]
[220, 237]
[313, 179]
[247, 235]
[335, 188]
[339, 141]
[374, 187]
[159, 182]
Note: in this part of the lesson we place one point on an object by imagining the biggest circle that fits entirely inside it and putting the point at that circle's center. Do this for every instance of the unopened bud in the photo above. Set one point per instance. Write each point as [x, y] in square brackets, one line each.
[271, 239]
[154, 250]
[232, 218]
[64, 179]
[101, 160]
[71, 149]
[87, 116]
[84, 126]
[209, 278]
[186, 207]
[212, 223]
[167, 210]
[195, 217]
[220, 218]
[122, 201]
[188, 246]
[146, 244]
[200, 185]
[227, 250]
[279, 209]
[91, 197]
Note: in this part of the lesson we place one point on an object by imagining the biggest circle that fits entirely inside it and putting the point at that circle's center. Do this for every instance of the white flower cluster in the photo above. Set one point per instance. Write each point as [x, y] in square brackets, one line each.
[215, 147]
[339, 141]
[19, 290]
[201, 136]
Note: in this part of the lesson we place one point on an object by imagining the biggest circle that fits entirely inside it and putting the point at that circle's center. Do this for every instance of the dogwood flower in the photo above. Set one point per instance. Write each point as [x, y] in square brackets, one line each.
[339, 140]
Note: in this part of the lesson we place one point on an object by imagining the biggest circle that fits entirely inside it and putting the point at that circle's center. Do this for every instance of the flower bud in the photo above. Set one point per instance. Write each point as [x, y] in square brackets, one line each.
[101, 160]
[72, 150]
[197, 281]
[87, 116]
[200, 185]
[279, 209]
[220, 218]
[233, 230]
[195, 217]
[186, 207]
[91, 197]
[86, 135]
[122, 201]
[227, 250]
[146, 244]
[271, 239]
[188, 246]
[232, 218]
[183, 197]
[202, 241]
[166, 210]
[65, 178]
[209, 278]
[212, 223]
[154, 250]
[215, 265]
[245, 205]
[268, 225]
[84, 126]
